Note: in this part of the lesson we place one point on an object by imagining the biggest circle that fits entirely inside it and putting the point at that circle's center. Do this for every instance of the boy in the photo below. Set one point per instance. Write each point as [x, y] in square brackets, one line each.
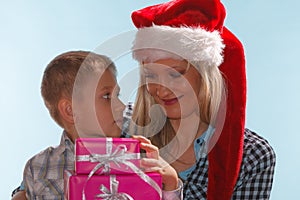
[79, 89]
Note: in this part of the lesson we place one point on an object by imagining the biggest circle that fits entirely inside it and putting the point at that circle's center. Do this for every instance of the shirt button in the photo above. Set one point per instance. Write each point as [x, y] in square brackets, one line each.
[198, 141]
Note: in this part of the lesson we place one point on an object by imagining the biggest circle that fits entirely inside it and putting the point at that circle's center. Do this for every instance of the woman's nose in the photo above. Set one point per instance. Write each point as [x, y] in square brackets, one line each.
[162, 90]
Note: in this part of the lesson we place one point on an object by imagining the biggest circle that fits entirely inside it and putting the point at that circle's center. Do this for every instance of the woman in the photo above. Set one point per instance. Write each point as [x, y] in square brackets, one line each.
[191, 101]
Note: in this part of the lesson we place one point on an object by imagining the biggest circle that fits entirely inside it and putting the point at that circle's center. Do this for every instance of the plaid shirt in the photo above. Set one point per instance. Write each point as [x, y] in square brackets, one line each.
[255, 177]
[43, 173]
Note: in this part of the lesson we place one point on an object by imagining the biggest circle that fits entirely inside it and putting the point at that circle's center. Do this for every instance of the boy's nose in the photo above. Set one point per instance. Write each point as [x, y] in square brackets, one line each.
[119, 105]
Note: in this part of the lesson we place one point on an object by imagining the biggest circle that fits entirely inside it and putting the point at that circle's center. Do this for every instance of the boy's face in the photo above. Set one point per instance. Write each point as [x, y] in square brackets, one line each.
[99, 111]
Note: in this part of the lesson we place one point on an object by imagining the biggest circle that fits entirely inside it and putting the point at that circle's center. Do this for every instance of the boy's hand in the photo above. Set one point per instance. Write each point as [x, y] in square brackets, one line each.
[154, 163]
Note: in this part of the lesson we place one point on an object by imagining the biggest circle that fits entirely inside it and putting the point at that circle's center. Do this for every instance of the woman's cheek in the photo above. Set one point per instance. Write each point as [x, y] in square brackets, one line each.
[151, 89]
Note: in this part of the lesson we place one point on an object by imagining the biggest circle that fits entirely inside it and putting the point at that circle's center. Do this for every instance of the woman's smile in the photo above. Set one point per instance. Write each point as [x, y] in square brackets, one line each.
[172, 101]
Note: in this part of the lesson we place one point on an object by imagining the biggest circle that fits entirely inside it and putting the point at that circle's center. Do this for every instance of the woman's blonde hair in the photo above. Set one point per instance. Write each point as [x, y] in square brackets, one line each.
[212, 91]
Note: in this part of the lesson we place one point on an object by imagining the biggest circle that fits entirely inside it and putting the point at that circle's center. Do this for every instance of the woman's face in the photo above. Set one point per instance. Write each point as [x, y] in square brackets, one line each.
[175, 85]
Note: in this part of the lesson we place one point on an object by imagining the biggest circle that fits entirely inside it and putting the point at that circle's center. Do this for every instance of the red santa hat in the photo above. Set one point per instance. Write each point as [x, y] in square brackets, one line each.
[194, 30]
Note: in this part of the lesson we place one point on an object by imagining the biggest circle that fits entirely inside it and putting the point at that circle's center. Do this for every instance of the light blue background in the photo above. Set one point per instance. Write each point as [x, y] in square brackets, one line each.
[34, 32]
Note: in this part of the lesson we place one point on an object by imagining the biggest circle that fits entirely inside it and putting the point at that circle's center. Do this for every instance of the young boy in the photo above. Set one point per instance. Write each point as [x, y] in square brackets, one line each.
[80, 90]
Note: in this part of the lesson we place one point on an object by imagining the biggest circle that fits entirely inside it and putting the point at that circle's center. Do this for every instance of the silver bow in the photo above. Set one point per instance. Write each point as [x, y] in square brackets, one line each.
[113, 194]
[119, 156]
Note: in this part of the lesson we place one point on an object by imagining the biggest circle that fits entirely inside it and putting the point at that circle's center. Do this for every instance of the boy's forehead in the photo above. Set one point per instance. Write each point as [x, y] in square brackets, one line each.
[107, 79]
[109, 87]
[107, 82]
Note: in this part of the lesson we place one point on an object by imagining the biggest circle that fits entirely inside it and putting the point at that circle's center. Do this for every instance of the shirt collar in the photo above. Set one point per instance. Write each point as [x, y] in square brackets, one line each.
[201, 143]
[65, 143]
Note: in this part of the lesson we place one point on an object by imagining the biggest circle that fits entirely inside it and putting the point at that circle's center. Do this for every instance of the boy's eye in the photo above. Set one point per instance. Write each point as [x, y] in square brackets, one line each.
[109, 96]
[106, 96]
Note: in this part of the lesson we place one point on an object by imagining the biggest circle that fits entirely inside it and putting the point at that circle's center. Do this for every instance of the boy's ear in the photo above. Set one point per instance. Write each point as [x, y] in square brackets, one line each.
[65, 110]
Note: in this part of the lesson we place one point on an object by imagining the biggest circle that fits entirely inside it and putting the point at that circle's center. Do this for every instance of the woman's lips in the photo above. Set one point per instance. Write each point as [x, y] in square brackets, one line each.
[172, 101]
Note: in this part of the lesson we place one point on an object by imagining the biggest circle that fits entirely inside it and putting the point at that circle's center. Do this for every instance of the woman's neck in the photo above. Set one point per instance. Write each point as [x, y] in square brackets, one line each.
[189, 127]
[187, 130]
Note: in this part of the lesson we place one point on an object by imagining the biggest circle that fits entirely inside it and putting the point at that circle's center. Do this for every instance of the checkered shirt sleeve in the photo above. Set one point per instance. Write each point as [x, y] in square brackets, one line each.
[255, 177]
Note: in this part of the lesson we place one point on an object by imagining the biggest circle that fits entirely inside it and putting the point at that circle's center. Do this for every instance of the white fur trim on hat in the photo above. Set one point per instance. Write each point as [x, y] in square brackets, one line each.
[193, 44]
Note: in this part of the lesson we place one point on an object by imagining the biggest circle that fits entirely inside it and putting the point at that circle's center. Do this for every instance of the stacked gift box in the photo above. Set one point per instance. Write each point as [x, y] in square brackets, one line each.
[108, 169]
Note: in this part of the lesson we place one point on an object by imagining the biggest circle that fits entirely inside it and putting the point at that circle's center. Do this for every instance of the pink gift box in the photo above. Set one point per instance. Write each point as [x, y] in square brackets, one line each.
[120, 186]
[111, 155]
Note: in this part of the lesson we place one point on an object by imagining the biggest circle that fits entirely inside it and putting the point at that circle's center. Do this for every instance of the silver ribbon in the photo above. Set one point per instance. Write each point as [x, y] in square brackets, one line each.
[119, 156]
[113, 194]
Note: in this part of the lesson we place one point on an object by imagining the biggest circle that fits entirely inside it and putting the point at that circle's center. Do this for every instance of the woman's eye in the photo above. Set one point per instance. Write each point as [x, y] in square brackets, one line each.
[149, 76]
[175, 74]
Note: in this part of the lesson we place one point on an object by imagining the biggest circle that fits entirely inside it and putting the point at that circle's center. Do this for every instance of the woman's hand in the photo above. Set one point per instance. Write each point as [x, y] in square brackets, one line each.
[20, 195]
[154, 163]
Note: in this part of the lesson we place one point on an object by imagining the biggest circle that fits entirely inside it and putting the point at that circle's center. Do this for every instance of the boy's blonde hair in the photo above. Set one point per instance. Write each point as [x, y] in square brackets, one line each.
[210, 97]
[60, 75]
